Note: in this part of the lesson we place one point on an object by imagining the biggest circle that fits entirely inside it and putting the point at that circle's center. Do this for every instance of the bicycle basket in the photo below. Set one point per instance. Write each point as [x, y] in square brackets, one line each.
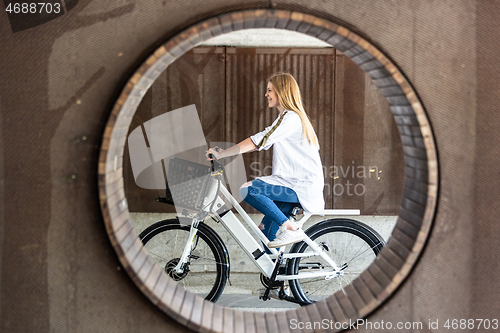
[187, 183]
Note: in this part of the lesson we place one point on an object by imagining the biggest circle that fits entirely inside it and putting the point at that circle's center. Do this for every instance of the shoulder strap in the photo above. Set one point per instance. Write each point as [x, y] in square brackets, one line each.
[268, 134]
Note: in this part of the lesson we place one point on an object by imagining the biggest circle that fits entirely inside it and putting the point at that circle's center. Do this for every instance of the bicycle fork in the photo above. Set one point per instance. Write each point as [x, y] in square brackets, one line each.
[179, 268]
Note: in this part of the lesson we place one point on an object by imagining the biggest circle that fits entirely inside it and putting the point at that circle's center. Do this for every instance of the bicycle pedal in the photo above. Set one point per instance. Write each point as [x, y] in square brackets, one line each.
[297, 213]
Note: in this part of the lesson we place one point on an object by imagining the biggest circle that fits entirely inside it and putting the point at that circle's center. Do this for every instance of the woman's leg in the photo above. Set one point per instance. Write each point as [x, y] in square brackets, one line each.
[270, 226]
[262, 196]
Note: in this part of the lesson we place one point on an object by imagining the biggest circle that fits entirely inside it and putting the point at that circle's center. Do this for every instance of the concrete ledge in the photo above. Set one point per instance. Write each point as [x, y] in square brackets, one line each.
[239, 261]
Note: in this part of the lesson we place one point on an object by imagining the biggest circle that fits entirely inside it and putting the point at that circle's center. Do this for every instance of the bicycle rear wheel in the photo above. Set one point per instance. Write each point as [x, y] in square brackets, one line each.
[349, 243]
[207, 268]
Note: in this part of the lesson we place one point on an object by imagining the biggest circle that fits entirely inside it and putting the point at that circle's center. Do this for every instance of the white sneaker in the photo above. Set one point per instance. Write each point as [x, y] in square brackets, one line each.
[281, 229]
[287, 237]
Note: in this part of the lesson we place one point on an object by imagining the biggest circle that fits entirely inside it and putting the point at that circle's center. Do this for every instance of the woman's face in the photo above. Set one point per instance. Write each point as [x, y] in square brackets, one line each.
[272, 97]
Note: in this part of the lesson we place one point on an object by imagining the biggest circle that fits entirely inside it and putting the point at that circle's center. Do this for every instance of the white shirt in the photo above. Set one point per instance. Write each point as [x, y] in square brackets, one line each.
[296, 162]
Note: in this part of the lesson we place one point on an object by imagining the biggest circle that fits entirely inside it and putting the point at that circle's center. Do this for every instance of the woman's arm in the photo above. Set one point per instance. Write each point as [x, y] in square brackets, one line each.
[245, 146]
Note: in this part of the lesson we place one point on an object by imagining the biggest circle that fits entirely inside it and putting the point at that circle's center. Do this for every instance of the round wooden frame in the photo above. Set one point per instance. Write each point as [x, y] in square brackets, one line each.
[366, 292]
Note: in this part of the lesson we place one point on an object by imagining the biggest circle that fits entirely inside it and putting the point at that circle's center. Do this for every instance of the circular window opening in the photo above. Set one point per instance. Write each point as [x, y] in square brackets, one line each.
[390, 266]
[215, 92]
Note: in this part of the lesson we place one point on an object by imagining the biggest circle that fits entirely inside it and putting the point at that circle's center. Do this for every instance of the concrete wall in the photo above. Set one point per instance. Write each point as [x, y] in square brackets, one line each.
[239, 260]
[58, 271]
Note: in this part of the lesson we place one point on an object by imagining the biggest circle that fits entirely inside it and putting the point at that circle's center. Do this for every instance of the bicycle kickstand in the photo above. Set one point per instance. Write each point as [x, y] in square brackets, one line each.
[272, 280]
[273, 283]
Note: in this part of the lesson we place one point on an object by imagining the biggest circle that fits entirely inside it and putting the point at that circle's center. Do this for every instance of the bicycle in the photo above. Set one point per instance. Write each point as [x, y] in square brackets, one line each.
[334, 252]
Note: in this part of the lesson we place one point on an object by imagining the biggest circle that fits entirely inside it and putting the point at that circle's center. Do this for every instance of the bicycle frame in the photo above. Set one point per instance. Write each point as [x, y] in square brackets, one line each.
[251, 247]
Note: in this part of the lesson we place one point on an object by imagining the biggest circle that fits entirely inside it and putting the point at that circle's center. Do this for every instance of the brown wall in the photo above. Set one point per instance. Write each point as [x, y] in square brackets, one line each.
[361, 149]
[58, 271]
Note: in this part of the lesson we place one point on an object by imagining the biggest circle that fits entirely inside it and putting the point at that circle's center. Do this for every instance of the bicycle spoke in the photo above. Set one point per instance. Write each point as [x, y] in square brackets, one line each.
[347, 245]
[314, 292]
[347, 281]
[355, 254]
[370, 248]
[341, 286]
[205, 269]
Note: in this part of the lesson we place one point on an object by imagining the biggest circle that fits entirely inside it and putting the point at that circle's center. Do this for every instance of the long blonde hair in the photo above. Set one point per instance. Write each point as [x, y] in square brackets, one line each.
[288, 93]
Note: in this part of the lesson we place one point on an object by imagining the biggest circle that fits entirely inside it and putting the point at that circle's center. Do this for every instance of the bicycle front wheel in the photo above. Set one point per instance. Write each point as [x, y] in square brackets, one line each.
[351, 244]
[207, 268]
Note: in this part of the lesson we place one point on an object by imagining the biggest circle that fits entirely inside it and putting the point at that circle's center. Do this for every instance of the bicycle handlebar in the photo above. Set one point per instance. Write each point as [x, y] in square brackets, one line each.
[215, 163]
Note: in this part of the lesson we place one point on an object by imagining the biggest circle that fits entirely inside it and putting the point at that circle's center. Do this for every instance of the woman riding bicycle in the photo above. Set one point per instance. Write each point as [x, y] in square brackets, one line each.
[297, 176]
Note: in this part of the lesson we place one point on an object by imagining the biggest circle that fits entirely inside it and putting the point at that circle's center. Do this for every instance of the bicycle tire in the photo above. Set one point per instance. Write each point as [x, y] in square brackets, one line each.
[165, 241]
[346, 241]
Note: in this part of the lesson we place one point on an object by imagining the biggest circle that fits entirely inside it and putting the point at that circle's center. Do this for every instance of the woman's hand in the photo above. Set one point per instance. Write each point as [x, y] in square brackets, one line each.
[216, 151]
[244, 146]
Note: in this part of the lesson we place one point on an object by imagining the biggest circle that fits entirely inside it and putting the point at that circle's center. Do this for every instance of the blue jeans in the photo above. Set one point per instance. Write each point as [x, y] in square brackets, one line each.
[274, 201]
